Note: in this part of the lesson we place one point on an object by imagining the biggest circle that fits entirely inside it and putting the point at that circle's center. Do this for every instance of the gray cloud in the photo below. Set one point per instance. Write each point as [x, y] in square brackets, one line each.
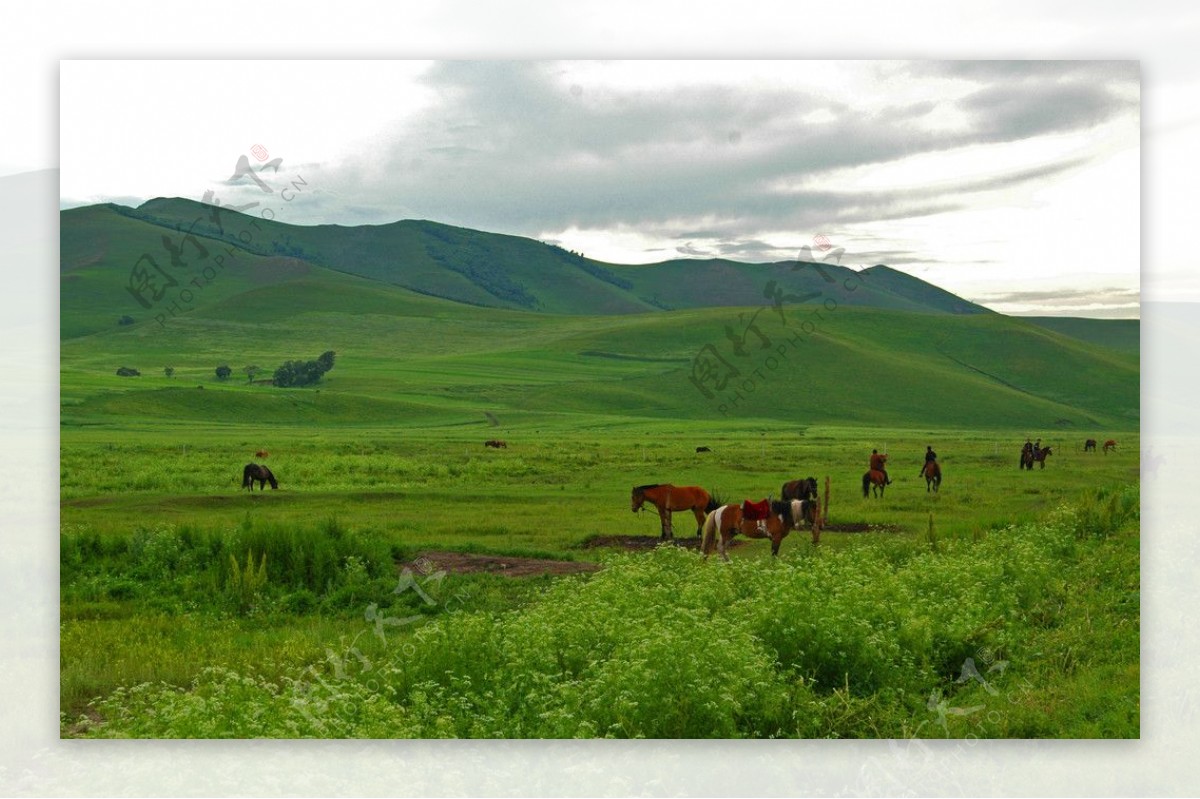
[511, 147]
[1065, 297]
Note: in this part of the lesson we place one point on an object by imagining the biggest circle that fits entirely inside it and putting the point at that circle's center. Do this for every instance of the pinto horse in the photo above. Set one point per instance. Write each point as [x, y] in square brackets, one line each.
[262, 474]
[726, 521]
[874, 481]
[668, 498]
[800, 489]
[1110, 444]
[933, 476]
[1089, 445]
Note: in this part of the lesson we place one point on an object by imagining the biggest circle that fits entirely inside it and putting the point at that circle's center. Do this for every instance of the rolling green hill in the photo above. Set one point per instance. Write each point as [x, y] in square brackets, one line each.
[470, 266]
[1123, 335]
[872, 348]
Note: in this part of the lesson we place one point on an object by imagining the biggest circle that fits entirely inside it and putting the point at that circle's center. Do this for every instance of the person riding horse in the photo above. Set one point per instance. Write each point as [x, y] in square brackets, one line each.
[930, 457]
[877, 463]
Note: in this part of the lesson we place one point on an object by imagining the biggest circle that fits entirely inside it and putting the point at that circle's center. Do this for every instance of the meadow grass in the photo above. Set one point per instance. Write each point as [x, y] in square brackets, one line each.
[1030, 630]
[156, 561]
[193, 608]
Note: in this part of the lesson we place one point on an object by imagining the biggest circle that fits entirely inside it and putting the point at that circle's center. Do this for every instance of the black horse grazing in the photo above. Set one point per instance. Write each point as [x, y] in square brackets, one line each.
[1089, 445]
[800, 489]
[262, 474]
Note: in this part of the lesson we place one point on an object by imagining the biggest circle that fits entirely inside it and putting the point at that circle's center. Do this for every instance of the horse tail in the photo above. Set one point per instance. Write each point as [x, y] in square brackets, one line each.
[246, 475]
[711, 522]
[867, 484]
[713, 503]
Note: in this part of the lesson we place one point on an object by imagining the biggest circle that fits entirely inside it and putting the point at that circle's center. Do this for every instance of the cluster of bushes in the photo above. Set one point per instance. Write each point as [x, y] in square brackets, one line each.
[253, 568]
[303, 373]
[849, 643]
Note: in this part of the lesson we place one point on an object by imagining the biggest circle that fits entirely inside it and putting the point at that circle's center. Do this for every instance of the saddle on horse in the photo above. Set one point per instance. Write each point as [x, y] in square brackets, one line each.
[757, 512]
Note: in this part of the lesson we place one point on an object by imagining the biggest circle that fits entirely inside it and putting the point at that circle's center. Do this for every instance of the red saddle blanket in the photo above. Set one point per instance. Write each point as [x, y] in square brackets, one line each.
[756, 511]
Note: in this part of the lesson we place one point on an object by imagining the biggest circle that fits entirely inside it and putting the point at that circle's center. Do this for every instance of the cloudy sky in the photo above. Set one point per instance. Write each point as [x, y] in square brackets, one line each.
[1014, 184]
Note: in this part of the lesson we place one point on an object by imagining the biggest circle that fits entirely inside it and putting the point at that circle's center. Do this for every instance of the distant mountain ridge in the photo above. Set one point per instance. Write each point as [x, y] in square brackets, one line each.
[505, 271]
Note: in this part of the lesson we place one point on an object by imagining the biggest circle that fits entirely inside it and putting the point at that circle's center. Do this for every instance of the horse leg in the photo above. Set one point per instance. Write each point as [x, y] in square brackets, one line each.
[667, 532]
[699, 519]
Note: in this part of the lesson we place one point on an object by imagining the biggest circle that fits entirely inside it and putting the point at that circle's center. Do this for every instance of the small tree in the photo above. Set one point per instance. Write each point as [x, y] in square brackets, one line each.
[169, 371]
[126, 371]
[251, 371]
[223, 371]
[325, 359]
[303, 373]
[125, 320]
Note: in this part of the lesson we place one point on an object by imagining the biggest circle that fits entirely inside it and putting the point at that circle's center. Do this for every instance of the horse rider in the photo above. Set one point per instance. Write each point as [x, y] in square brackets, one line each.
[1037, 447]
[930, 457]
[877, 461]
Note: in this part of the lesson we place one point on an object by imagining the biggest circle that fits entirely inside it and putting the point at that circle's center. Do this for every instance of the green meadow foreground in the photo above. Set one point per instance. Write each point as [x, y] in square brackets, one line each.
[404, 580]
[193, 608]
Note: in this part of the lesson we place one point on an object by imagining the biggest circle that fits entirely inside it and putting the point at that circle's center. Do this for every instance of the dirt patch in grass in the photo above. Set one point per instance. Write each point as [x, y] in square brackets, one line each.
[861, 527]
[644, 543]
[509, 566]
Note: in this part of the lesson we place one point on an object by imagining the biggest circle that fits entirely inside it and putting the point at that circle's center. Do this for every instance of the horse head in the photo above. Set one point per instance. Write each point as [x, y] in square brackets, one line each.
[637, 498]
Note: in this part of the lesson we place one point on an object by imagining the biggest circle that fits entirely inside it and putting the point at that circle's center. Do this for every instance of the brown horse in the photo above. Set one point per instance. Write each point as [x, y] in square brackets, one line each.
[1110, 444]
[726, 521]
[933, 476]
[800, 489]
[256, 471]
[667, 498]
[1089, 445]
[874, 481]
[1039, 457]
[496, 443]
[262, 453]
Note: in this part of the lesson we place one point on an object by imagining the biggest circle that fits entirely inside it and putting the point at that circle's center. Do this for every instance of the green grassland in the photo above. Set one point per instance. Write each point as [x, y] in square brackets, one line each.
[193, 608]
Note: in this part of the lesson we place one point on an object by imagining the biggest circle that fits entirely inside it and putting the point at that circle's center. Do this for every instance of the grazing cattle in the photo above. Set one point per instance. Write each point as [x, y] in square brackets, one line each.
[1110, 444]
[262, 474]
[668, 498]
[496, 444]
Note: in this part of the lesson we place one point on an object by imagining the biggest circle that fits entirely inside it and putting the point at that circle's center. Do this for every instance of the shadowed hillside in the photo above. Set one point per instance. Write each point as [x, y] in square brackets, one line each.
[474, 267]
